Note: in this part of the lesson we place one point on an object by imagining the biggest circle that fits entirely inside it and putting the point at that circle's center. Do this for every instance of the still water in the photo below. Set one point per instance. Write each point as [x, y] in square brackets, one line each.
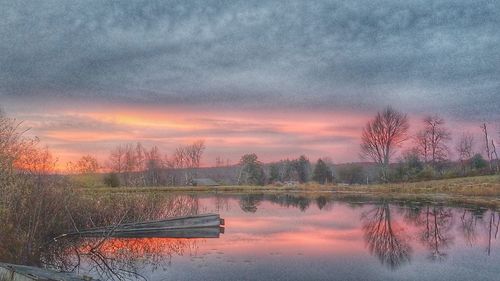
[285, 237]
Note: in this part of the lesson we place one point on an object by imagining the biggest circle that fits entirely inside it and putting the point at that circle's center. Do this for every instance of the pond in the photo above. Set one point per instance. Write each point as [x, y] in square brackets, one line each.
[292, 237]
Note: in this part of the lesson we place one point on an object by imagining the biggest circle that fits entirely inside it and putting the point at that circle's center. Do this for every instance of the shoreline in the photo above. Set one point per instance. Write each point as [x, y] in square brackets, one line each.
[483, 190]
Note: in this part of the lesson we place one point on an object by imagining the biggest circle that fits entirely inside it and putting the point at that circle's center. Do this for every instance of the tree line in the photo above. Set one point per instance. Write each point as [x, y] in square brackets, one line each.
[429, 155]
[136, 165]
[385, 141]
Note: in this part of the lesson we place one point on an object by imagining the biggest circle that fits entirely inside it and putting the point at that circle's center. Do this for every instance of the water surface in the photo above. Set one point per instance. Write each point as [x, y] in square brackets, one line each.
[286, 237]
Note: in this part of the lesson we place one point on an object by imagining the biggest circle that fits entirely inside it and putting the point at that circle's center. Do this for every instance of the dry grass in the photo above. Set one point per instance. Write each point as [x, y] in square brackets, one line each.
[471, 186]
[484, 190]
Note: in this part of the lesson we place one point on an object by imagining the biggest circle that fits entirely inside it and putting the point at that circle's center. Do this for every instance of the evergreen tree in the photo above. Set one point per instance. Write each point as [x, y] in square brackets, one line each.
[478, 162]
[274, 172]
[302, 167]
[322, 173]
[251, 171]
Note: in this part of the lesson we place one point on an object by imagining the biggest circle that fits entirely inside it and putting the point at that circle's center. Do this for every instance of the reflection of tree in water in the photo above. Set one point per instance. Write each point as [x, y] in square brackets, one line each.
[490, 220]
[117, 258]
[288, 201]
[221, 202]
[322, 202]
[435, 223]
[410, 213]
[385, 238]
[493, 225]
[468, 223]
[249, 203]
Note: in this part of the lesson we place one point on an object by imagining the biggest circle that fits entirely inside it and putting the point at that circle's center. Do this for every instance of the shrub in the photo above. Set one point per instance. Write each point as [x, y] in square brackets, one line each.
[478, 162]
[427, 173]
[112, 180]
[351, 174]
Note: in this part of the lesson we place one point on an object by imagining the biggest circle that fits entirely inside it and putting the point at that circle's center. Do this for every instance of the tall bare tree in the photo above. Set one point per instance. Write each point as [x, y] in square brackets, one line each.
[382, 135]
[117, 159]
[194, 153]
[153, 166]
[129, 160]
[187, 157]
[13, 145]
[423, 145]
[484, 128]
[494, 153]
[432, 140]
[86, 165]
[464, 149]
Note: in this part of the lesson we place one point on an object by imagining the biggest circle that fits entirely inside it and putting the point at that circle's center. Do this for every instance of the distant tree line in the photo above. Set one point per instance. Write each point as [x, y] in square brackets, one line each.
[429, 152]
[393, 154]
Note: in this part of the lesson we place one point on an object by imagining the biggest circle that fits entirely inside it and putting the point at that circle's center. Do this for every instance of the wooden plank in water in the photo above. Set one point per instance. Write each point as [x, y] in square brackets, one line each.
[13, 272]
[187, 223]
[202, 232]
[175, 221]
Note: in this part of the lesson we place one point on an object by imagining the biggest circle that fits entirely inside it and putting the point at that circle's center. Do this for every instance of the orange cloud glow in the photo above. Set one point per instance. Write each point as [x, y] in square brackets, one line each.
[273, 135]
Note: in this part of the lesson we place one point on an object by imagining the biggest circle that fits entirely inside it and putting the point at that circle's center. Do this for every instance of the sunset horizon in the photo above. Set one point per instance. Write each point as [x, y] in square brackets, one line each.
[80, 129]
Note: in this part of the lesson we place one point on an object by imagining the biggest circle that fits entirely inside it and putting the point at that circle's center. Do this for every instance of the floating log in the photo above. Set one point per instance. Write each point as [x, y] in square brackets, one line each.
[13, 272]
[197, 226]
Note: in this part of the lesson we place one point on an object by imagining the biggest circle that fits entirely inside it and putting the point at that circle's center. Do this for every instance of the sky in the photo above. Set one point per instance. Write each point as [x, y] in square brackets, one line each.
[279, 78]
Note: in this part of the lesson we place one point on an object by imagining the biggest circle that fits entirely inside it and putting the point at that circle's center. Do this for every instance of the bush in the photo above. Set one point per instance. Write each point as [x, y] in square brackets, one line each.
[478, 162]
[351, 174]
[112, 180]
[427, 173]
[450, 174]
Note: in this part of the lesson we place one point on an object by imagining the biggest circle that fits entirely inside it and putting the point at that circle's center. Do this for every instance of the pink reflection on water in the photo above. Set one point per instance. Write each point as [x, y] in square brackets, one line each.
[284, 231]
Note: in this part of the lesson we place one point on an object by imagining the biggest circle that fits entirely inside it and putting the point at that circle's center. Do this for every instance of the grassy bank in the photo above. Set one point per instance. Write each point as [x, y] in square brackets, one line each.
[483, 190]
[470, 186]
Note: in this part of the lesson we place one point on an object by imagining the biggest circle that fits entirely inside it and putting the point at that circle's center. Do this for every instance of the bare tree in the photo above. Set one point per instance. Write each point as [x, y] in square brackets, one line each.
[484, 128]
[464, 149]
[140, 157]
[129, 161]
[117, 159]
[85, 165]
[35, 161]
[13, 144]
[423, 145]
[194, 153]
[153, 166]
[176, 161]
[382, 135]
[494, 153]
[179, 158]
[187, 157]
[432, 140]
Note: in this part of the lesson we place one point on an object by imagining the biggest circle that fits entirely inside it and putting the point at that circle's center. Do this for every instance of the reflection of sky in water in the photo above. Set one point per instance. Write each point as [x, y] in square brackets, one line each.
[296, 240]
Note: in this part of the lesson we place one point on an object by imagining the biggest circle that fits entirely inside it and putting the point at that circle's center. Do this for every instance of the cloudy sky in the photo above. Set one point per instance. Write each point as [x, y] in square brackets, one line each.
[279, 78]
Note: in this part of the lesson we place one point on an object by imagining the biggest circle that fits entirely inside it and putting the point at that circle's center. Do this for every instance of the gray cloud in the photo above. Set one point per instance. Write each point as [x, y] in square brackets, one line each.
[419, 55]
